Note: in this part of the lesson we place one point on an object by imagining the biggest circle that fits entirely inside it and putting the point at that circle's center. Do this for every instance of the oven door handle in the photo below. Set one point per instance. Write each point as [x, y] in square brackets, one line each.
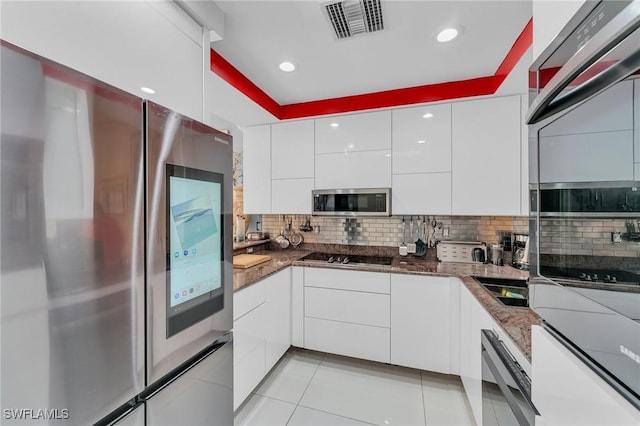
[623, 31]
[493, 352]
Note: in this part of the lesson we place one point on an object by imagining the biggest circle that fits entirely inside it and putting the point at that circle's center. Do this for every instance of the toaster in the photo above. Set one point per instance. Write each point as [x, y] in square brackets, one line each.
[462, 251]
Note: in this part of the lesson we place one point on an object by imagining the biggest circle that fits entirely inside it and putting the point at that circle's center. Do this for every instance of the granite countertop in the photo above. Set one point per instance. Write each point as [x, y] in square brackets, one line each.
[516, 321]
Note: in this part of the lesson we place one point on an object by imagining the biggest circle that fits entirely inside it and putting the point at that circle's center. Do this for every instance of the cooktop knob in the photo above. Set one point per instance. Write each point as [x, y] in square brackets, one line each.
[345, 260]
[583, 276]
[595, 277]
[614, 280]
[331, 259]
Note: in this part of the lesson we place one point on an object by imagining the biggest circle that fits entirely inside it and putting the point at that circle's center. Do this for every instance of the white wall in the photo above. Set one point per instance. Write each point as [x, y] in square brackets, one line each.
[549, 17]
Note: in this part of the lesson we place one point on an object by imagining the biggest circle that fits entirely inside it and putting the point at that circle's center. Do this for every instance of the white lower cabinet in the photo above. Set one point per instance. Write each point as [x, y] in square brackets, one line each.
[473, 319]
[297, 306]
[278, 319]
[347, 313]
[423, 315]
[567, 392]
[261, 331]
[249, 348]
[343, 338]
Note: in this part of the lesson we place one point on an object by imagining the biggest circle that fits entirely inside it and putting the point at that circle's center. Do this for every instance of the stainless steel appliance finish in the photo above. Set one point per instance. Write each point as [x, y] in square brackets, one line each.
[174, 139]
[78, 298]
[597, 319]
[461, 251]
[506, 388]
[520, 251]
[351, 202]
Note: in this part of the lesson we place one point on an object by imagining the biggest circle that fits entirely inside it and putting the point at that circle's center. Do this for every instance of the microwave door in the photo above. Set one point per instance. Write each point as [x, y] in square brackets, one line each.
[610, 56]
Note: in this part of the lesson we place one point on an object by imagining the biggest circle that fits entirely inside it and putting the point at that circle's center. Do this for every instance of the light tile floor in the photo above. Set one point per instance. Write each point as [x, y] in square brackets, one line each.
[308, 388]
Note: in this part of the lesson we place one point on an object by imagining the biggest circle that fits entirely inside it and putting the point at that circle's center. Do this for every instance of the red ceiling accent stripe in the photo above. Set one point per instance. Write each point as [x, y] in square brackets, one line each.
[520, 46]
[231, 75]
[389, 98]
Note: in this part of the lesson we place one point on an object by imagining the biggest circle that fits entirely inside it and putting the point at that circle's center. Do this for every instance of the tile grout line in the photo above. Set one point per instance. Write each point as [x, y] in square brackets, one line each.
[337, 415]
[424, 405]
[305, 389]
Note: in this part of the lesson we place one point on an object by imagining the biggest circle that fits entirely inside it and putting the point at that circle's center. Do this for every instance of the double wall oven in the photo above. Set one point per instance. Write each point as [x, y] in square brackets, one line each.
[584, 121]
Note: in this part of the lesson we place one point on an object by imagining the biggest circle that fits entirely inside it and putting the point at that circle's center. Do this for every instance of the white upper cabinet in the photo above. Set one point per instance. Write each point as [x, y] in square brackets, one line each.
[291, 196]
[421, 193]
[422, 139]
[257, 169]
[609, 111]
[292, 153]
[358, 132]
[366, 169]
[486, 157]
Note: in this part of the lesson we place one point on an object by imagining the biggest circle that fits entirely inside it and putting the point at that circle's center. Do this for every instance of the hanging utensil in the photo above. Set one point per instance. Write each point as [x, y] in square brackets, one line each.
[411, 245]
[421, 246]
[402, 249]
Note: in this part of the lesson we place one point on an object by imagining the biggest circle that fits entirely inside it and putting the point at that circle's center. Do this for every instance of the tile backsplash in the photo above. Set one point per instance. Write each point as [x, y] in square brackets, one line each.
[590, 237]
[388, 231]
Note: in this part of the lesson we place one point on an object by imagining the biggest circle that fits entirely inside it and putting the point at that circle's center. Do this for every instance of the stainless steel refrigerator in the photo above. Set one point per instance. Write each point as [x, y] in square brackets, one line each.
[115, 255]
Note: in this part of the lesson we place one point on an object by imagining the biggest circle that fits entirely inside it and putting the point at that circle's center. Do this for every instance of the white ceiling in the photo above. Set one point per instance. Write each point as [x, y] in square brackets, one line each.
[258, 35]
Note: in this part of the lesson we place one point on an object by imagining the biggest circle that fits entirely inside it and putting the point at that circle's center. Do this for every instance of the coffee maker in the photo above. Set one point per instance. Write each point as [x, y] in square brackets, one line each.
[520, 251]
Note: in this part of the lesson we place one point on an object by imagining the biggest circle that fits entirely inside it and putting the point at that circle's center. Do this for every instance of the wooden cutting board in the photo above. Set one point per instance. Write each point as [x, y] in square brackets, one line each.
[245, 261]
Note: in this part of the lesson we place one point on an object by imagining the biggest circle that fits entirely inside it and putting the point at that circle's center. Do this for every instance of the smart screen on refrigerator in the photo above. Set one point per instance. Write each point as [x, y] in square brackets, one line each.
[194, 248]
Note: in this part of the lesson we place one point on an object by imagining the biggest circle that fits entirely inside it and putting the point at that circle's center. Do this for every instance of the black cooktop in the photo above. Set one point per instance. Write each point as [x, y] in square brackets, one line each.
[347, 259]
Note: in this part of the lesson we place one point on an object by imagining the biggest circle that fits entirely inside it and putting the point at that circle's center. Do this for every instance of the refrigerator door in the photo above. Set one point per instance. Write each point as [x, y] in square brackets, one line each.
[202, 396]
[189, 209]
[71, 243]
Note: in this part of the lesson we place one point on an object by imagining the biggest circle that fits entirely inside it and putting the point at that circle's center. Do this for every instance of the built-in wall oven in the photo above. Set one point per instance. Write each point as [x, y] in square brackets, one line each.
[584, 128]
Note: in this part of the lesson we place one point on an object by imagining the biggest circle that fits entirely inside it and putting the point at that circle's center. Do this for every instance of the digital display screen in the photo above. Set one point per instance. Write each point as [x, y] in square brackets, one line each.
[195, 236]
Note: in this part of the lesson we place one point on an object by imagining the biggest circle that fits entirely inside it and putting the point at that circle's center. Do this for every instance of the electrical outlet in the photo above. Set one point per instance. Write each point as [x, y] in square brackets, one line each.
[445, 232]
[616, 237]
[249, 250]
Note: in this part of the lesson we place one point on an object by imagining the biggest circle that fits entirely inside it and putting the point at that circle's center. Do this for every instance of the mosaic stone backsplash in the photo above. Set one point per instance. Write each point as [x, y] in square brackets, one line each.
[388, 231]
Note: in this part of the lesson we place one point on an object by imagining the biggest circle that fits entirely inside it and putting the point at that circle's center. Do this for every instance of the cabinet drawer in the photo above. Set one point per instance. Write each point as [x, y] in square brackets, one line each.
[360, 341]
[248, 298]
[372, 282]
[249, 333]
[348, 306]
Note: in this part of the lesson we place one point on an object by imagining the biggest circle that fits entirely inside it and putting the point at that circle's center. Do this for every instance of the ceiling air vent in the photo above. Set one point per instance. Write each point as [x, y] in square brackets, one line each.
[351, 17]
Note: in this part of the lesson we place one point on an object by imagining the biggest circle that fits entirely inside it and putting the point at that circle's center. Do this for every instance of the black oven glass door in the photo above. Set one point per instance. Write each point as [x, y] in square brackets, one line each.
[506, 389]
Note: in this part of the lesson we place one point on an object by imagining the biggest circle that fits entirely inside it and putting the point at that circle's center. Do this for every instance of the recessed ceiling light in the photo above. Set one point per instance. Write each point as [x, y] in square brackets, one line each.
[387, 155]
[351, 145]
[287, 66]
[148, 90]
[427, 115]
[422, 141]
[334, 125]
[449, 34]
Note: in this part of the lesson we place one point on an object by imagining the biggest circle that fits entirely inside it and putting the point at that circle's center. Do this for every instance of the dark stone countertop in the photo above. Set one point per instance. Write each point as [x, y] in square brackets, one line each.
[515, 321]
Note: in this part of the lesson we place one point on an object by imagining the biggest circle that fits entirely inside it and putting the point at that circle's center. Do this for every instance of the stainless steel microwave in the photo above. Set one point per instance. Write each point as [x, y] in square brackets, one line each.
[351, 202]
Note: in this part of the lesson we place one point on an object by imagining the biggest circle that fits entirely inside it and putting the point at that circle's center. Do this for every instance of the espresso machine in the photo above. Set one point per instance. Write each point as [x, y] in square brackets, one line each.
[520, 251]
